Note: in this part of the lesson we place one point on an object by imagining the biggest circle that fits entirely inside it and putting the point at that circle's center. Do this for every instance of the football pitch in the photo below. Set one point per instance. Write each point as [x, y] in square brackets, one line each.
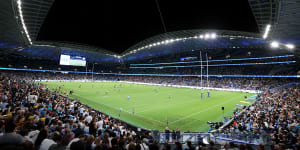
[152, 107]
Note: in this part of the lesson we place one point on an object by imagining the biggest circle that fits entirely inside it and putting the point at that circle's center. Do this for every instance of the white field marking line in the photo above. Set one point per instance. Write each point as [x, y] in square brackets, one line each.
[142, 83]
[129, 112]
[166, 100]
[216, 119]
[189, 123]
[193, 114]
[172, 104]
[146, 105]
[200, 120]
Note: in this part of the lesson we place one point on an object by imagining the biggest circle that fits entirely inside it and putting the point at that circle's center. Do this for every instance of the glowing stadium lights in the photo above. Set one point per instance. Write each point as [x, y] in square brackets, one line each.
[22, 21]
[267, 31]
[206, 36]
[167, 41]
[290, 46]
[201, 36]
[171, 41]
[274, 44]
[213, 35]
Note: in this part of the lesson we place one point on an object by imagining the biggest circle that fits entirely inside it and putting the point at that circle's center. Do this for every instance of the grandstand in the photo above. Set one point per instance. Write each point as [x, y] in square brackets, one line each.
[186, 89]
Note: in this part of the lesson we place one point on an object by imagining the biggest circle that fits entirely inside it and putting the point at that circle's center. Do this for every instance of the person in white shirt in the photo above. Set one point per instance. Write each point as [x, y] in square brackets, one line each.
[99, 124]
[46, 143]
[144, 146]
[88, 119]
[33, 135]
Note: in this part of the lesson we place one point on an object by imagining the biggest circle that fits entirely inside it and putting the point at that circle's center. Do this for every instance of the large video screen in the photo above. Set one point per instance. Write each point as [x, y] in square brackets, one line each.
[72, 60]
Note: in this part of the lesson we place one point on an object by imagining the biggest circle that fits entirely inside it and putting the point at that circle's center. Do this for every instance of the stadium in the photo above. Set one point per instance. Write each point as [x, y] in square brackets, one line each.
[189, 88]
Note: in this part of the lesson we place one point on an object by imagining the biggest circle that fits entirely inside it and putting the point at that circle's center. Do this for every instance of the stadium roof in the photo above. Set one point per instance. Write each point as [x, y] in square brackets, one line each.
[75, 46]
[20, 22]
[282, 15]
[184, 35]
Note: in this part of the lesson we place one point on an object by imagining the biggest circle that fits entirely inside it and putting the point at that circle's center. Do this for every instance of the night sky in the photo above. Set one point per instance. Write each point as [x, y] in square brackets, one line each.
[118, 24]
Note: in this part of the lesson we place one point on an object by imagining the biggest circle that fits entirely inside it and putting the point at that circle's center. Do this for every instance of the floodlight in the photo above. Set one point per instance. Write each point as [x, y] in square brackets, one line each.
[274, 44]
[201, 36]
[267, 31]
[167, 41]
[213, 35]
[206, 36]
[290, 46]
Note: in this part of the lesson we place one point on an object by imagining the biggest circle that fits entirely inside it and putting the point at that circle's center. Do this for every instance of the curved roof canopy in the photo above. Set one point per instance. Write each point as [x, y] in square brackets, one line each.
[282, 15]
[20, 22]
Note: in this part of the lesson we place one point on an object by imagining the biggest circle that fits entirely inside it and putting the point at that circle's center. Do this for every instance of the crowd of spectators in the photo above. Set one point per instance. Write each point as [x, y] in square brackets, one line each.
[260, 84]
[273, 119]
[34, 118]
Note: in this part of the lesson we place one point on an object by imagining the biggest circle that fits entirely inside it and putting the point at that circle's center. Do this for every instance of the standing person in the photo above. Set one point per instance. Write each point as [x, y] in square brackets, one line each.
[167, 134]
[93, 127]
[173, 136]
[144, 145]
[178, 135]
[170, 95]
[128, 98]
[10, 136]
[61, 145]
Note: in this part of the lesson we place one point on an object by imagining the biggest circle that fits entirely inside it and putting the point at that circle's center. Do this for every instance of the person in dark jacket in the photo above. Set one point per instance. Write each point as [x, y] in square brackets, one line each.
[167, 133]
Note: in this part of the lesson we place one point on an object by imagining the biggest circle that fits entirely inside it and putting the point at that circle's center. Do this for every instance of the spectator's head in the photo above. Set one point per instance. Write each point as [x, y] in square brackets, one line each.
[56, 137]
[79, 145]
[131, 146]
[10, 126]
[42, 135]
[66, 139]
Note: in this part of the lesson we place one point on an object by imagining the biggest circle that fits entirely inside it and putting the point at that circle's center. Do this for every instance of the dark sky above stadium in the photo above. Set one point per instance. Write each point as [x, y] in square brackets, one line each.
[118, 24]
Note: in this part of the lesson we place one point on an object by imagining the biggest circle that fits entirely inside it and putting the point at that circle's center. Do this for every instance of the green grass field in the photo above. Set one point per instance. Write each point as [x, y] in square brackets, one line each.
[185, 109]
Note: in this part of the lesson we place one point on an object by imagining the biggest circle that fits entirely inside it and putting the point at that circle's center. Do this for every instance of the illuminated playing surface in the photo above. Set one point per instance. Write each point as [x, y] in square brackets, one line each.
[182, 107]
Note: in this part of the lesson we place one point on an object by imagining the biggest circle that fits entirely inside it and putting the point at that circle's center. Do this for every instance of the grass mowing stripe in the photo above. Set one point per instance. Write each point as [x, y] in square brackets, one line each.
[201, 111]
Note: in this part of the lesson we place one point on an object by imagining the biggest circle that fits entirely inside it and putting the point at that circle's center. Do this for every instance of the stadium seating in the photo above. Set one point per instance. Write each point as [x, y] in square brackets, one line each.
[43, 119]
